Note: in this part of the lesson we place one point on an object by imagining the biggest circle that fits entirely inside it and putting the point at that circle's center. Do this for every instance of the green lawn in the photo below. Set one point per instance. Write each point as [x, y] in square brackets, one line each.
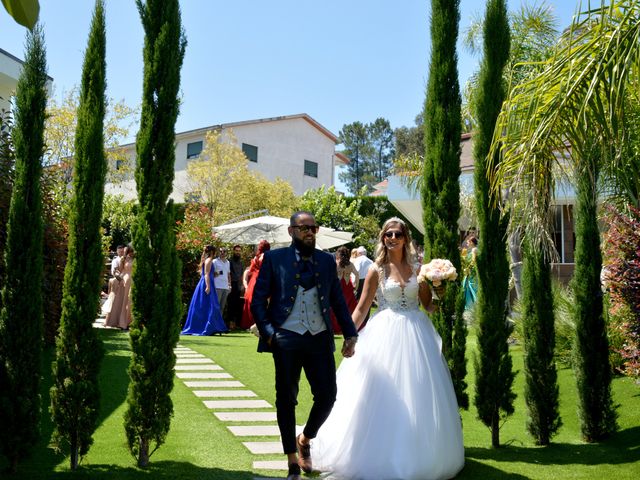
[200, 447]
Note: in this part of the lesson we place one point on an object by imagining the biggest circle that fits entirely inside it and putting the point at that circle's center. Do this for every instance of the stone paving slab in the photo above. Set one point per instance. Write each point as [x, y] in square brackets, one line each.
[198, 367]
[189, 355]
[246, 416]
[270, 465]
[183, 350]
[211, 384]
[261, 448]
[225, 404]
[192, 375]
[194, 360]
[224, 393]
[254, 430]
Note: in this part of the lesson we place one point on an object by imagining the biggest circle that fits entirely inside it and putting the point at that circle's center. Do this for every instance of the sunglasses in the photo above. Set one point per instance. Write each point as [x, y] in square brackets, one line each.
[307, 228]
[394, 234]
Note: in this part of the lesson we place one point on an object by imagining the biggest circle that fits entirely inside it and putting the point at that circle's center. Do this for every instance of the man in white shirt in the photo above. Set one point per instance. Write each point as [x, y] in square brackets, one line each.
[362, 264]
[115, 263]
[222, 278]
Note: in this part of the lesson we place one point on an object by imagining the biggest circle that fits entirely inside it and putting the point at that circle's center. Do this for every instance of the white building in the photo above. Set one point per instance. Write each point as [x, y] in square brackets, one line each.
[10, 69]
[295, 148]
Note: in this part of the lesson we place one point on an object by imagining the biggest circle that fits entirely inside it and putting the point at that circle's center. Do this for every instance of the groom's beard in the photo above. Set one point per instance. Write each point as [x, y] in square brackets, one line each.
[305, 250]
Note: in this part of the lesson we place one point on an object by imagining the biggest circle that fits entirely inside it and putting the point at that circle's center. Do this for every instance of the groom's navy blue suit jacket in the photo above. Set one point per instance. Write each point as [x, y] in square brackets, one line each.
[277, 286]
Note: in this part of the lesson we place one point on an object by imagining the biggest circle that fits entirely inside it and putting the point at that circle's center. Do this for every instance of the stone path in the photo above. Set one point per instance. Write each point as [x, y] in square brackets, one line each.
[233, 404]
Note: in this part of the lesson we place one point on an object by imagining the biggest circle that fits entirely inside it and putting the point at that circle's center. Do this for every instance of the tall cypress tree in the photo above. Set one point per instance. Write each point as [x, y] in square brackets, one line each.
[21, 314]
[591, 349]
[541, 377]
[156, 276]
[440, 187]
[493, 366]
[75, 395]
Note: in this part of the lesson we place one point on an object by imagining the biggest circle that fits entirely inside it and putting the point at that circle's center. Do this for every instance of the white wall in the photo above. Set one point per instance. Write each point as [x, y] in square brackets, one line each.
[283, 146]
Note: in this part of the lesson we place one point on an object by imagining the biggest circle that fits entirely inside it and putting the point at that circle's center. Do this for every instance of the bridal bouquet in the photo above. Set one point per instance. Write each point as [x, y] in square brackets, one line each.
[436, 272]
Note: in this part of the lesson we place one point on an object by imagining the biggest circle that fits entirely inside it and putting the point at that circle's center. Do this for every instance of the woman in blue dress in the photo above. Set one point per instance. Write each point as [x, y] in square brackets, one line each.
[204, 316]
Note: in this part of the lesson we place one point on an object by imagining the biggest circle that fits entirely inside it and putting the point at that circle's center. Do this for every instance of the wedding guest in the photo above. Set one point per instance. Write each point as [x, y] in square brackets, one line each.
[251, 277]
[222, 278]
[115, 292]
[396, 414]
[204, 316]
[127, 272]
[235, 301]
[295, 289]
[346, 270]
[469, 281]
[362, 264]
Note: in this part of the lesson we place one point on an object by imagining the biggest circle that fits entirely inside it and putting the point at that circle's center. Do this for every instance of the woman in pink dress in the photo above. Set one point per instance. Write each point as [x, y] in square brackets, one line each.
[348, 276]
[252, 276]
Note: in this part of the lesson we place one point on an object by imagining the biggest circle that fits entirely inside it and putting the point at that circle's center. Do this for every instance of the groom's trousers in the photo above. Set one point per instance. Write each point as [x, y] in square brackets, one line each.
[292, 353]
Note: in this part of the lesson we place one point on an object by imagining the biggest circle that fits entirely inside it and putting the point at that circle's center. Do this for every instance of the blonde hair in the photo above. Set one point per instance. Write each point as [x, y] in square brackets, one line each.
[408, 253]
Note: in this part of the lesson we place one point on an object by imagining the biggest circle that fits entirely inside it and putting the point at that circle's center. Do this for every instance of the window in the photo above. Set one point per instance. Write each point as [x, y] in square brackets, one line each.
[310, 168]
[251, 152]
[563, 233]
[194, 149]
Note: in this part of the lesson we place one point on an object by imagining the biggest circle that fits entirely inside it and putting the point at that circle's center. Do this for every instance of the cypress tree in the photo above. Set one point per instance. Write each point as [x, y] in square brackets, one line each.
[493, 365]
[21, 314]
[541, 378]
[7, 161]
[440, 187]
[155, 292]
[75, 395]
[591, 349]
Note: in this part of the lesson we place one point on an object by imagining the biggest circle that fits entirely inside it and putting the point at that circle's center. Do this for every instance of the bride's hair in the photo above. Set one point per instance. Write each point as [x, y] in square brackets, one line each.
[408, 254]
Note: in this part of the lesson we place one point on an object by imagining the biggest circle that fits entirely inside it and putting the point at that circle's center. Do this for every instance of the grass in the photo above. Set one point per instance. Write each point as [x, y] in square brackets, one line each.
[200, 447]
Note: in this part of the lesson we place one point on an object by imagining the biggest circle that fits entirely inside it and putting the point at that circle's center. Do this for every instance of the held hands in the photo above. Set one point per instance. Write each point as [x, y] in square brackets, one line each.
[349, 347]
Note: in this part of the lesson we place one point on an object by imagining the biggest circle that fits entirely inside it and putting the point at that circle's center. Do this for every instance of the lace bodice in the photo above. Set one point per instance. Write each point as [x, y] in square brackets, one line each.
[392, 295]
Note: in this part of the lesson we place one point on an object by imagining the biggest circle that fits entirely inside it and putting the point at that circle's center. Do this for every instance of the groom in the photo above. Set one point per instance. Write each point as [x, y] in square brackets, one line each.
[295, 289]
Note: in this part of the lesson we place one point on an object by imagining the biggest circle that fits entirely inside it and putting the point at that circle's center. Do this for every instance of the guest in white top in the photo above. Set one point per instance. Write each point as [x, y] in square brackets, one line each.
[222, 278]
[362, 264]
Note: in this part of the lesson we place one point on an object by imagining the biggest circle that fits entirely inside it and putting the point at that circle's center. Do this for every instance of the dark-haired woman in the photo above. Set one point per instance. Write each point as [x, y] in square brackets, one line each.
[346, 271]
[204, 316]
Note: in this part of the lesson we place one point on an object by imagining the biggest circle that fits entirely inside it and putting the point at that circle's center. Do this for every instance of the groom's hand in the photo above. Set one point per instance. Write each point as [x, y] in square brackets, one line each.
[349, 347]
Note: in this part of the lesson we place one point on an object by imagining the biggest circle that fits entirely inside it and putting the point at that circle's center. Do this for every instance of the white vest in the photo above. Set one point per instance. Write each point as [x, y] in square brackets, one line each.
[306, 313]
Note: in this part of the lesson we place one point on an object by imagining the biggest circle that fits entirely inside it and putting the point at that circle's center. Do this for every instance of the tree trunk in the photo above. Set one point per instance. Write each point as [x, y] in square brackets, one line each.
[495, 431]
[143, 455]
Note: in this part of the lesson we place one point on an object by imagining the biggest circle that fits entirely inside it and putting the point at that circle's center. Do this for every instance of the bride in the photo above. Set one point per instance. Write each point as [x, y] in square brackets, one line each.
[396, 415]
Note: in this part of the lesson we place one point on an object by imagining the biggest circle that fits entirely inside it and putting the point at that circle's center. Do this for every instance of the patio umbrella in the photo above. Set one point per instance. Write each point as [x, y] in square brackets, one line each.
[275, 231]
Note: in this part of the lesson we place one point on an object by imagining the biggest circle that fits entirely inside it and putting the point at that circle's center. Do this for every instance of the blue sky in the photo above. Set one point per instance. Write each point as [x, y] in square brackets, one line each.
[340, 61]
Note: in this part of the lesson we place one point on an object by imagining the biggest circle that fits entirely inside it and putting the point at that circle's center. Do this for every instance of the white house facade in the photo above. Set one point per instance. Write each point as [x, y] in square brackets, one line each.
[295, 148]
[10, 69]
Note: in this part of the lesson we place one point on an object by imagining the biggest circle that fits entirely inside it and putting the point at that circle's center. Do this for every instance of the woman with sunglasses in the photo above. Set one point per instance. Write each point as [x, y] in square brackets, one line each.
[396, 414]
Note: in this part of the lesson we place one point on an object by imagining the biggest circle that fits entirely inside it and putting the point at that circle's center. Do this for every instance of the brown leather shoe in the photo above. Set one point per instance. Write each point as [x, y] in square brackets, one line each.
[304, 456]
[294, 472]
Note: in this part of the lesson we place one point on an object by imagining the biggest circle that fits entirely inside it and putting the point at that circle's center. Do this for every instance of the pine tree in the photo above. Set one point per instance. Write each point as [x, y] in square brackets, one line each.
[155, 290]
[21, 315]
[440, 187]
[591, 349]
[541, 378]
[493, 366]
[75, 395]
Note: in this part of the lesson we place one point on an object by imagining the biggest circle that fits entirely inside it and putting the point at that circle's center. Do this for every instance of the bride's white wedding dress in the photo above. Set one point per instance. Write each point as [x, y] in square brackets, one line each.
[396, 415]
